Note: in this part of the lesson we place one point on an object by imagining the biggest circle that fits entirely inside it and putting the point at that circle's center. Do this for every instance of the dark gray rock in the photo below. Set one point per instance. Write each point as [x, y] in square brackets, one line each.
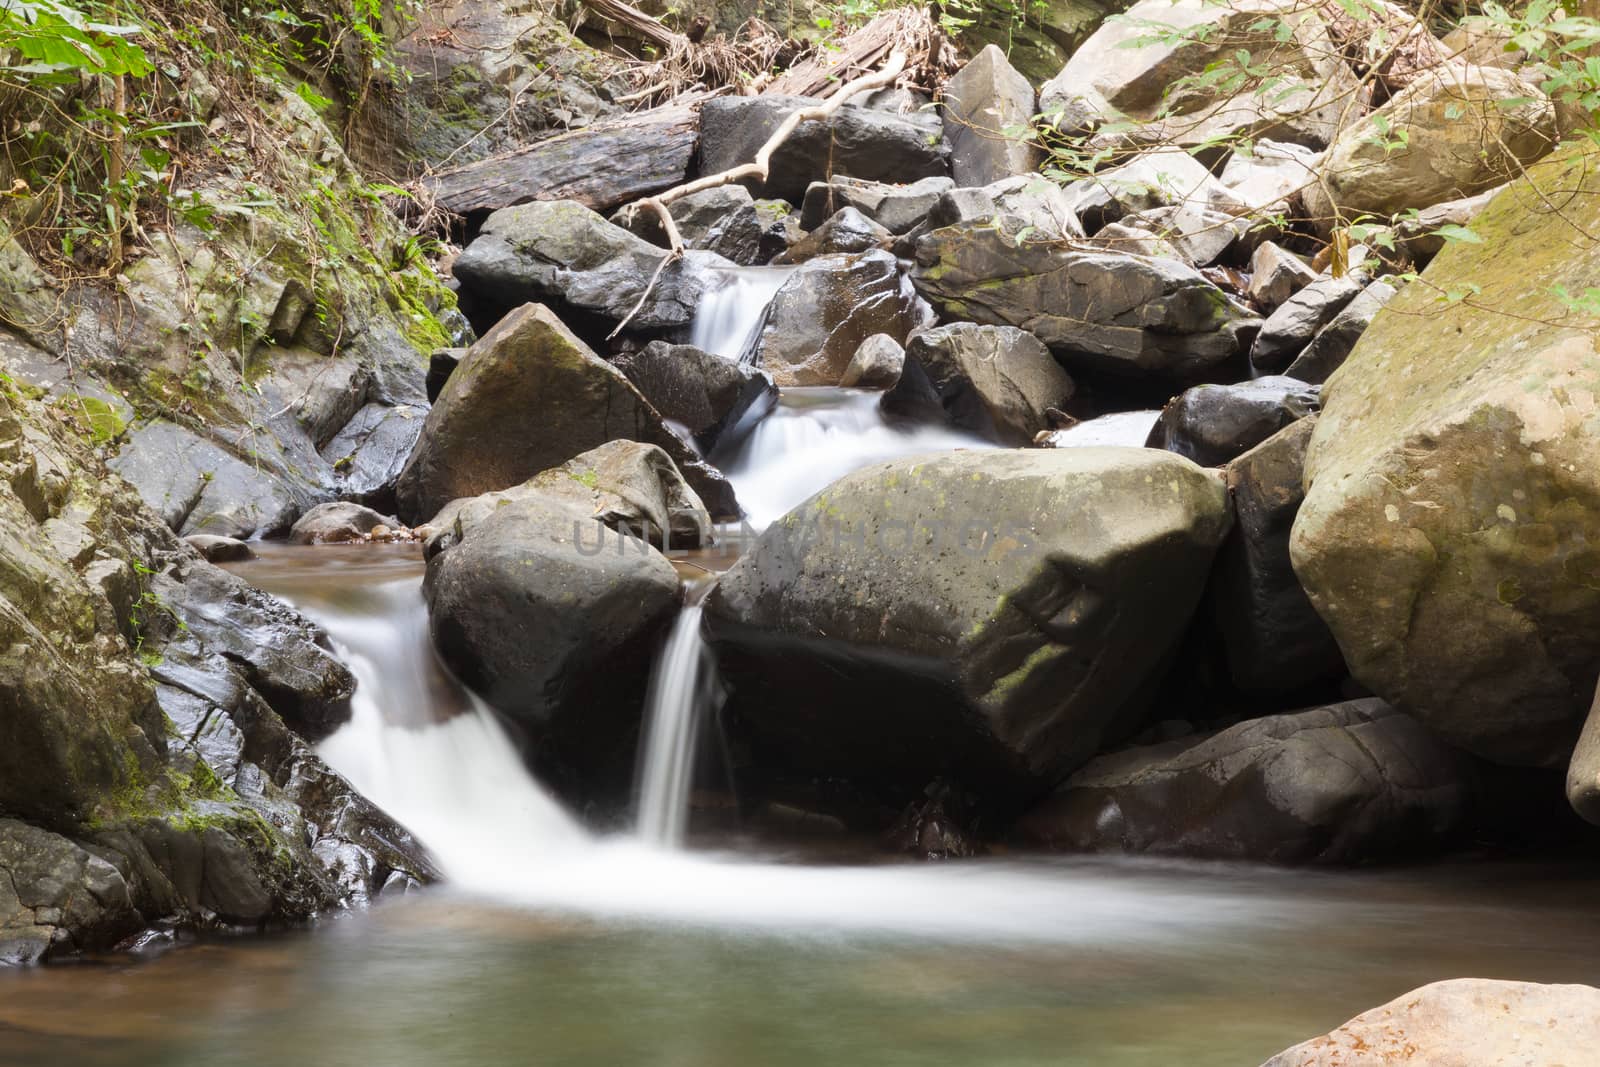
[562, 253]
[1117, 313]
[990, 617]
[441, 365]
[1347, 783]
[846, 231]
[273, 647]
[897, 208]
[994, 381]
[554, 618]
[858, 142]
[1328, 349]
[530, 396]
[876, 364]
[1274, 639]
[1028, 206]
[707, 395]
[725, 220]
[219, 549]
[1212, 424]
[57, 897]
[826, 309]
[197, 486]
[1290, 329]
[337, 522]
[984, 104]
[369, 453]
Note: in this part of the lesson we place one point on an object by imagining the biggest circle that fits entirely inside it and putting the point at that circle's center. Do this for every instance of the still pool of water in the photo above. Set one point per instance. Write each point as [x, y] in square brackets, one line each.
[442, 979]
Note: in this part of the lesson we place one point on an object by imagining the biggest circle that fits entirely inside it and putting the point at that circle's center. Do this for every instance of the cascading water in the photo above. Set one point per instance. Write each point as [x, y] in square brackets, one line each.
[684, 692]
[813, 438]
[729, 317]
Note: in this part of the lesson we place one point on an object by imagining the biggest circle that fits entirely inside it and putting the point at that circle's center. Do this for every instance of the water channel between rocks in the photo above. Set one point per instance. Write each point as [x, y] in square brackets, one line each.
[552, 945]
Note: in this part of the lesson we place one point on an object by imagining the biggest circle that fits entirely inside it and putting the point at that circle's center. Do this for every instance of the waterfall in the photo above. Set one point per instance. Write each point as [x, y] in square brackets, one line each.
[684, 692]
[730, 317]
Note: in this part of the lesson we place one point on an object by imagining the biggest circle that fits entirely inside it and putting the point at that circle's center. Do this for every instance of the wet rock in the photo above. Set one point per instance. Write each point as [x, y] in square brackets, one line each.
[601, 167]
[219, 549]
[826, 309]
[1345, 783]
[57, 897]
[857, 142]
[992, 618]
[1273, 638]
[1469, 129]
[876, 364]
[984, 105]
[563, 253]
[1118, 313]
[1028, 205]
[441, 365]
[1275, 276]
[1331, 346]
[1290, 329]
[1124, 71]
[1213, 424]
[371, 450]
[1445, 532]
[1464, 1021]
[339, 522]
[847, 231]
[707, 395]
[994, 381]
[275, 649]
[897, 208]
[554, 618]
[528, 397]
[196, 486]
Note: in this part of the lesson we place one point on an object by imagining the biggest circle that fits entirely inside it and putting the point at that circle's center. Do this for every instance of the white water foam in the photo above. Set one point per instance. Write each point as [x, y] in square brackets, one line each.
[683, 694]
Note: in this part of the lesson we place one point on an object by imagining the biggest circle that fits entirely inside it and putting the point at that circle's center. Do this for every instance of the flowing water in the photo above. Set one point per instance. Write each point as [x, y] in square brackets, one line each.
[683, 693]
[728, 318]
[813, 438]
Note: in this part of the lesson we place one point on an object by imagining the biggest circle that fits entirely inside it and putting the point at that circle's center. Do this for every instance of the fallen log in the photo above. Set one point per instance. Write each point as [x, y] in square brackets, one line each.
[602, 166]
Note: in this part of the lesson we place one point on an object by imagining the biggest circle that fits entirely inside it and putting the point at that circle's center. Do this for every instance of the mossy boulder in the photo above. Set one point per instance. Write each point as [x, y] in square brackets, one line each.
[993, 617]
[528, 397]
[1453, 503]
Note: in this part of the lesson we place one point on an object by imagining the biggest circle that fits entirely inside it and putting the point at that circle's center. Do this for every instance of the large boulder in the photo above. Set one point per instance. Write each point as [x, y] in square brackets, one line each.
[1450, 511]
[1346, 783]
[990, 617]
[554, 617]
[1028, 205]
[199, 487]
[985, 105]
[1466, 1021]
[528, 397]
[57, 896]
[562, 253]
[371, 450]
[826, 309]
[857, 141]
[1146, 67]
[1290, 328]
[994, 381]
[897, 208]
[1119, 313]
[1331, 346]
[707, 395]
[1273, 638]
[1165, 178]
[1456, 130]
[1212, 424]
[724, 219]
[847, 230]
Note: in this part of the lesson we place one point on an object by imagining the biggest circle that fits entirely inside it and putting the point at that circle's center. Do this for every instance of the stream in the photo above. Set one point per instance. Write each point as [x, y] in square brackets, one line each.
[552, 945]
